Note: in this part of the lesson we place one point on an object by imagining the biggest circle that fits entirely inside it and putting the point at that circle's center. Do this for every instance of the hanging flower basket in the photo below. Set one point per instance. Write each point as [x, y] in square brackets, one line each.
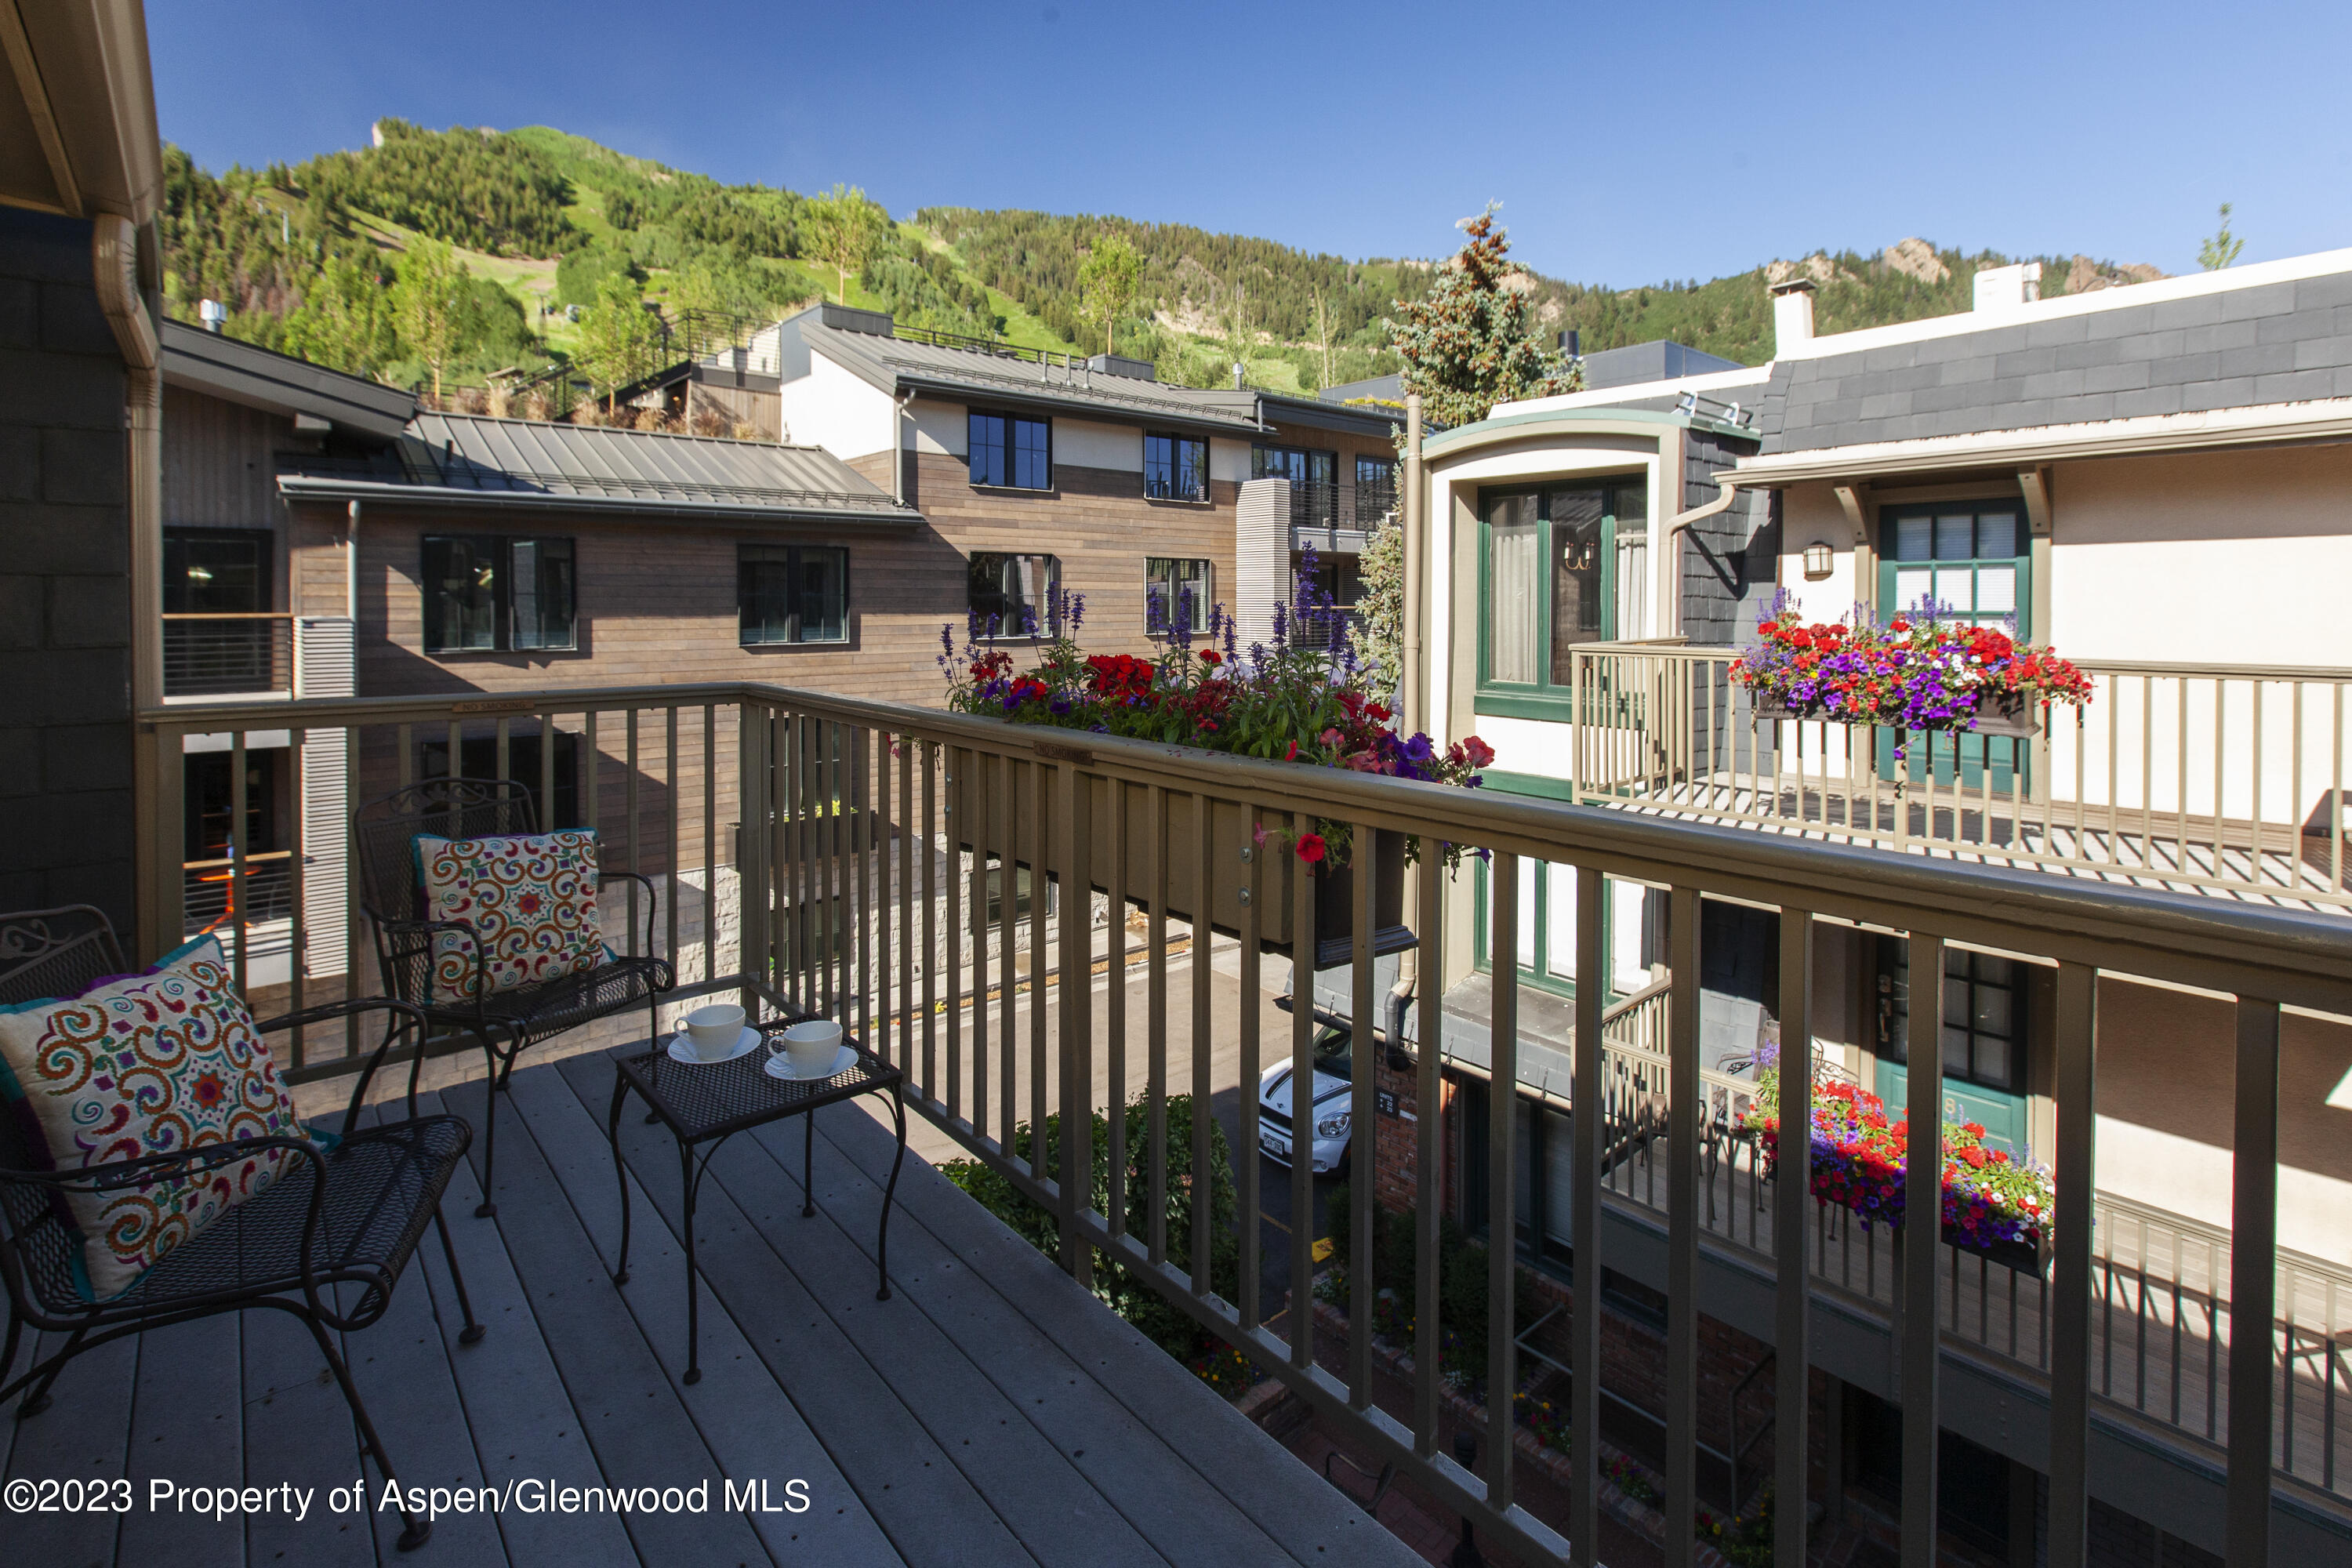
[1923, 672]
[1994, 1206]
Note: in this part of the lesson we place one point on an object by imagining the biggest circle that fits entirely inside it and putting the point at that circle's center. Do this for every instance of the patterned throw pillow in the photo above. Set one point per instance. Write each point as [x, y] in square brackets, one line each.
[530, 899]
[146, 1064]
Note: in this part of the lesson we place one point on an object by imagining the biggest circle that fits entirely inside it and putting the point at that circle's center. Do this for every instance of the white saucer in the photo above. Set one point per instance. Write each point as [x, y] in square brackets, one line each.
[780, 1066]
[681, 1049]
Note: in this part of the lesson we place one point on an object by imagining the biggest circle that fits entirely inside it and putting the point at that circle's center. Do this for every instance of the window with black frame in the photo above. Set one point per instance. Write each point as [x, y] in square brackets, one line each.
[1011, 451]
[792, 594]
[1012, 595]
[1175, 467]
[1175, 593]
[1375, 489]
[493, 594]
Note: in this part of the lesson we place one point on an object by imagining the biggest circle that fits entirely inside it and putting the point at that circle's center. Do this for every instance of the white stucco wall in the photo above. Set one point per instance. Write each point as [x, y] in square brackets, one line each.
[830, 408]
[1084, 444]
[939, 428]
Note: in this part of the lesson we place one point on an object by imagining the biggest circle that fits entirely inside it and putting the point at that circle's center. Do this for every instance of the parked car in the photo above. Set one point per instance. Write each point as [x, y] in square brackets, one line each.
[1333, 1073]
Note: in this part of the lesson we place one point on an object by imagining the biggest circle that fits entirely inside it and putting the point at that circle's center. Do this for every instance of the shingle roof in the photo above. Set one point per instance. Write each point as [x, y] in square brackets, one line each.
[893, 364]
[479, 460]
[2273, 343]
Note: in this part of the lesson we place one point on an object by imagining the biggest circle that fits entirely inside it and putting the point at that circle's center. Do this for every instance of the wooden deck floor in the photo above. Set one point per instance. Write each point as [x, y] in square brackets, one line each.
[991, 1412]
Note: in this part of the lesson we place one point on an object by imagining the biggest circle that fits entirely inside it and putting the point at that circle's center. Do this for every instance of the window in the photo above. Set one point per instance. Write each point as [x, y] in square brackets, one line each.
[1970, 560]
[1175, 593]
[1314, 478]
[1012, 595]
[216, 571]
[1175, 467]
[1013, 452]
[792, 594]
[1983, 1038]
[484, 592]
[1375, 489]
[1549, 577]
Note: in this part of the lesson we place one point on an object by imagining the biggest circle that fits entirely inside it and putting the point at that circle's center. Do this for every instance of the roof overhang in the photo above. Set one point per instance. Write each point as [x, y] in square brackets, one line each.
[1646, 423]
[2278, 424]
[77, 131]
[1048, 400]
[277, 383]
[1315, 415]
[313, 487]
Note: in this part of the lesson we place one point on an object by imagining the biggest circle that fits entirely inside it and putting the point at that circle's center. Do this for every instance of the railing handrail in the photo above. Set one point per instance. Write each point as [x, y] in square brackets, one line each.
[2229, 948]
[255, 858]
[229, 616]
[1723, 653]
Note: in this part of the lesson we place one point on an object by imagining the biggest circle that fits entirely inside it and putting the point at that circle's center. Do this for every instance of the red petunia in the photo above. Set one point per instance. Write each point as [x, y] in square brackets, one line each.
[1310, 848]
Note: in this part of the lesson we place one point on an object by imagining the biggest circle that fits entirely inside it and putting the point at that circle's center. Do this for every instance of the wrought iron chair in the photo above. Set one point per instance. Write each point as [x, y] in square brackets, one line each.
[506, 1022]
[327, 1241]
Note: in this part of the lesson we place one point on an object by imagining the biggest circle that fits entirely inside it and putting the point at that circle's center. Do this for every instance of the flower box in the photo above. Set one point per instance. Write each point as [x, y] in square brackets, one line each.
[1992, 1205]
[2006, 713]
[1233, 848]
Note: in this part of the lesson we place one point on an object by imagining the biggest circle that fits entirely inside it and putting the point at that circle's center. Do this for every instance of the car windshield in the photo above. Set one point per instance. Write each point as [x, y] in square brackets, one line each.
[1333, 1053]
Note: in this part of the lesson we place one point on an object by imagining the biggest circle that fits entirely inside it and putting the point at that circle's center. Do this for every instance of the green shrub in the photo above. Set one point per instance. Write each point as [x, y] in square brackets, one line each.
[1120, 1287]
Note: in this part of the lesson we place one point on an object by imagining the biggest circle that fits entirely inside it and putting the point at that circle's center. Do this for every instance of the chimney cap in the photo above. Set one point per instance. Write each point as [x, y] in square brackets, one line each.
[1793, 286]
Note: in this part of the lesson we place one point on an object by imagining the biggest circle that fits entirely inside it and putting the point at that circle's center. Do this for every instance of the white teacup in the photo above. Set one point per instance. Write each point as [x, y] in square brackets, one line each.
[813, 1046]
[715, 1029]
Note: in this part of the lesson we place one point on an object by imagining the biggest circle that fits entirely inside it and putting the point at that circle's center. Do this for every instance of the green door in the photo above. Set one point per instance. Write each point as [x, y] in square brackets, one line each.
[1969, 561]
[1982, 1036]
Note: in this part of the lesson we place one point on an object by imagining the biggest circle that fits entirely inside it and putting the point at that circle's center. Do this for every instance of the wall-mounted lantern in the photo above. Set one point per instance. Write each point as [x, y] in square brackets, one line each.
[1817, 562]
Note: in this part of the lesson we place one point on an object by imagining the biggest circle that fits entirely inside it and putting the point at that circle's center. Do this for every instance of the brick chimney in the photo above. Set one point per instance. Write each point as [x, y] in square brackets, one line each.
[1792, 314]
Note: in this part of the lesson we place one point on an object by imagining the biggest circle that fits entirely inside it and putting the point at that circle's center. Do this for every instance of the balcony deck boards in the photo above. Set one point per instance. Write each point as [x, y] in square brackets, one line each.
[991, 1412]
[2288, 870]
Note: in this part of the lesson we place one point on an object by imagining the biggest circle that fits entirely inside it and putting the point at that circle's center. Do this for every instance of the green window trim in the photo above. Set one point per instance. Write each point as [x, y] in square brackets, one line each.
[1546, 696]
[1981, 549]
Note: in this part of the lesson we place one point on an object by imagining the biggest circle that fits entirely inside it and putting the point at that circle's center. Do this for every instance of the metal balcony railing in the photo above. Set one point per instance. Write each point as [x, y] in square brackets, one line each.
[1374, 503]
[1314, 504]
[229, 655]
[2226, 779]
[885, 823]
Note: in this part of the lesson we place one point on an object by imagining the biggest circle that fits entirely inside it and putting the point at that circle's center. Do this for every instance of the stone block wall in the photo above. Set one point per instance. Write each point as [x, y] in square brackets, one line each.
[65, 579]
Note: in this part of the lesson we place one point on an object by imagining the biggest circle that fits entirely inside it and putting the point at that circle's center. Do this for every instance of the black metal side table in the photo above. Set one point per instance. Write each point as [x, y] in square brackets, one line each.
[706, 1103]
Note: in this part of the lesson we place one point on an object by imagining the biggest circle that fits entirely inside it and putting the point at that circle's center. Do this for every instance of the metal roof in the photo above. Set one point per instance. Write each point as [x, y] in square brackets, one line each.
[1006, 376]
[476, 460]
[246, 373]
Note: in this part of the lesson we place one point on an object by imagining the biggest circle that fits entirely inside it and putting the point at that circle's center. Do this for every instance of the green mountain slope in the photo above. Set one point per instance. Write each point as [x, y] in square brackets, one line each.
[307, 256]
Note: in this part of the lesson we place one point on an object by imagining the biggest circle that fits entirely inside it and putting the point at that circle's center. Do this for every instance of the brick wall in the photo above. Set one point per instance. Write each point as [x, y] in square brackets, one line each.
[64, 582]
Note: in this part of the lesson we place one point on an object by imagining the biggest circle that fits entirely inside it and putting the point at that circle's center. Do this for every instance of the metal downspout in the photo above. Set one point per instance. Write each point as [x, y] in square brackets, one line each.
[1727, 489]
[114, 271]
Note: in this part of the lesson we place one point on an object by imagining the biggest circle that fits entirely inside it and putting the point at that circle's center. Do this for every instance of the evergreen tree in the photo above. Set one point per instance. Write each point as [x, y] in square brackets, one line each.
[1467, 345]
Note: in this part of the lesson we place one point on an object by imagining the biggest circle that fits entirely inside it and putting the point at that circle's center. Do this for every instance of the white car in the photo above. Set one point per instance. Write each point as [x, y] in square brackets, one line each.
[1334, 1077]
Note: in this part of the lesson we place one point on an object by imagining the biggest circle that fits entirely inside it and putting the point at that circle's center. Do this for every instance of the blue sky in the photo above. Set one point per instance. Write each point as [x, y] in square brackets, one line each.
[1628, 144]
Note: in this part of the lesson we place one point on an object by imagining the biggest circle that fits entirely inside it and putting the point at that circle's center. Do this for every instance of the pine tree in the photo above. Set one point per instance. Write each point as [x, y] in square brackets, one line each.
[1469, 343]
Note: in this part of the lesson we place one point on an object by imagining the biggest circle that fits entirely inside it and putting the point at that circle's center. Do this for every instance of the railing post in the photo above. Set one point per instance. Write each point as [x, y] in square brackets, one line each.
[2074, 1084]
[2254, 1279]
[1584, 1132]
[1791, 1197]
[1076, 1020]
[1921, 1240]
[1681, 1231]
[1502, 1220]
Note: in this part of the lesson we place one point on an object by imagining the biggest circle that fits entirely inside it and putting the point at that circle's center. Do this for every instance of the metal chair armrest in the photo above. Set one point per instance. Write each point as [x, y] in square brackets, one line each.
[653, 895]
[406, 1015]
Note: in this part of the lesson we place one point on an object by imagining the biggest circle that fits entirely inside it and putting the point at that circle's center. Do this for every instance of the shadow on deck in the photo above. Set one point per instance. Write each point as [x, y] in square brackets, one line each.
[990, 1412]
